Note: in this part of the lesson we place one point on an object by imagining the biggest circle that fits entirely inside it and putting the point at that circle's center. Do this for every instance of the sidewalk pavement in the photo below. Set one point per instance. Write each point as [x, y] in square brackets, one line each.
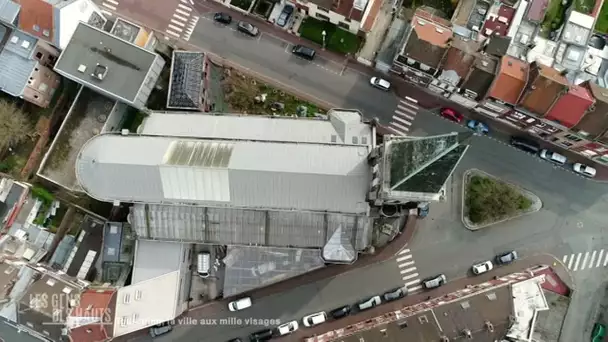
[451, 286]
[376, 36]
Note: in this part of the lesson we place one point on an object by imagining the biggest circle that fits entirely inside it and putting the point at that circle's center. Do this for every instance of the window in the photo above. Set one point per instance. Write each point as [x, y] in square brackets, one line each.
[66, 290]
[127, 298]
[135, 317]
[51, 282]
[36, 97]
[573, 137]
[323, 9]
[344, 25]
[111, 251]
[39, 55]
[124, 321]
[36, 28]
[322, 17]
[46, 33]
[43, 87]
[137, 294]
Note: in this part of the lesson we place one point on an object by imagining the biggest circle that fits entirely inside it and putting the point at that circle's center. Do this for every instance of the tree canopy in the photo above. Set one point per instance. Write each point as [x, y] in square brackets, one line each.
[491, 200]
[15, 126]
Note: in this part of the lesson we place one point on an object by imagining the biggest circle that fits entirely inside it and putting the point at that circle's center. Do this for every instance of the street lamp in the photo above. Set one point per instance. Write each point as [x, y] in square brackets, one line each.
[324, 34]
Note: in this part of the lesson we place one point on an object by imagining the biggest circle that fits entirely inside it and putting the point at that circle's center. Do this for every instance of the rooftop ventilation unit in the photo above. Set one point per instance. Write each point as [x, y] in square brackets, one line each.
[14, 39]
[439, 30]
[100, 72]
[25, 44]
[467, 334]
[489, 326]
[82, 68]
[420, 22]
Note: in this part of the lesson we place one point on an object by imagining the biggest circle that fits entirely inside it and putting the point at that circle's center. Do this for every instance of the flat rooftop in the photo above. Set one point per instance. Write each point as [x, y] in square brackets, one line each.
[86, 120]
[92, 52]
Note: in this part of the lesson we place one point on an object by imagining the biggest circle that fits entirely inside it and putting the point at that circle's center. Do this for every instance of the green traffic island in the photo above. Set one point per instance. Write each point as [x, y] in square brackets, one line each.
[488, 200]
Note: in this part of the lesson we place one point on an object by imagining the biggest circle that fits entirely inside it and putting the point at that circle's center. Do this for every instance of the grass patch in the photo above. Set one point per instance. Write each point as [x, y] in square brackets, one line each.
[584, 6]
[336, 39]
[554, 18]
[490, 200]
[15, 160]
[601, 25]
[240, 92]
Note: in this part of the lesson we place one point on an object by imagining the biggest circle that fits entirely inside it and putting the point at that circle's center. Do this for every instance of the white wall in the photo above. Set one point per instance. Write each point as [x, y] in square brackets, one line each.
[116, 117]
[69, 16]
[334, 17]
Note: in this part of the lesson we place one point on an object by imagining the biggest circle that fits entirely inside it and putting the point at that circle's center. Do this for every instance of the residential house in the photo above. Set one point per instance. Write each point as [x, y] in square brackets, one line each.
[507, 88]
[572, 106]
[456, 64]
[536, 11]
[469, 16]
[524, 29]
[497, 45]
[545, 87]
[25, 67]
[477, 81]
[56, 21]
[93, 318]
[498, 21]
[189, 81]
[83, 256]
[424, 48]
[573, 41]
[352, 15]
[112, 67]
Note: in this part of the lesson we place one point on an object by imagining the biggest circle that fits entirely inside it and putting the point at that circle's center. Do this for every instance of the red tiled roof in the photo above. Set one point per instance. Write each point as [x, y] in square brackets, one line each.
[495, 25]
[94, 304]
[536, 10]
[35, 17]
[431, 32]
[461, 56]
[570, 108]
[510, 81]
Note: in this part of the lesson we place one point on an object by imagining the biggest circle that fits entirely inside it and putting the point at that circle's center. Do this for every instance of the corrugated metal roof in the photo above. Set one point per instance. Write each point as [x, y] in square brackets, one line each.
[14, 72]
[253, 127]
[260, 175]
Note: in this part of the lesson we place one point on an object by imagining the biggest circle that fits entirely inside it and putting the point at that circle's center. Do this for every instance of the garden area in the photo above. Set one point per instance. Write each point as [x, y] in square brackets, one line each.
[336, 39]
[244, 94]
[601, 24]
[584, 6]
[51, 211]
[554, 18]
[489, 200]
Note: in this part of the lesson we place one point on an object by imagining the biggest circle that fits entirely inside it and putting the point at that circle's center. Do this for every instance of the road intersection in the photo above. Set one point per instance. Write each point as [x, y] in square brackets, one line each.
[572, 220]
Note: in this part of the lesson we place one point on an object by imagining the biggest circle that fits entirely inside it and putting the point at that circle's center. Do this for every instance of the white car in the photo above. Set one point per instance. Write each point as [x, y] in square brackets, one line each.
[380, 83]
[584, 170]
[314, 319]
[288, 328]
[239, 304]
[482, 267]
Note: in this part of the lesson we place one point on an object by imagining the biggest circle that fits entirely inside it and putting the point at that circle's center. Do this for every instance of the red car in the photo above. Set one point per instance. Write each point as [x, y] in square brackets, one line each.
[452, 115]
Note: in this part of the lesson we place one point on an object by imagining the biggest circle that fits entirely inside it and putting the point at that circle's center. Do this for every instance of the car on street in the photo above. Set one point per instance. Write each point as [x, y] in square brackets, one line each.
[584, 170]
[285, 15]
[369, 303]
[287, 328]
[482, 267]
[261, 335]
[222, 17]
[240, 304]
[395, 294]
[340, 312]
[506, 258]
[380, 83]
[478, 126]
[304, 52]
[160, 329]
[247, 28]
[314, 319]
[553, 157]
[434, 282]
[452, 115]
[525, 144]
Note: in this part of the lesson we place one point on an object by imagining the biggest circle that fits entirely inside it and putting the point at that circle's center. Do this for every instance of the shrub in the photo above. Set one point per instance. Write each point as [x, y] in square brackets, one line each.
[491, 200]
[43, 195]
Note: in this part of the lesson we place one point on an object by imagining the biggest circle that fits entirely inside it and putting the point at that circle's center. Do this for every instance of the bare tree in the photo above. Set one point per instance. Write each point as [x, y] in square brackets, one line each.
[15, 127]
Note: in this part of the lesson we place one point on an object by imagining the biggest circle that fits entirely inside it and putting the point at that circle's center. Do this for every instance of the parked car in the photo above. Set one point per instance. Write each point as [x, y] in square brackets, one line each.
[314, 319]
[478, 126]
[434, 282]
[160, 329]
[222, 17]
[235, 340]
[240, 304]
[598, 333]
[340, 312]
[262, 335]
[369, 303]
[247, 28]
[423, 209]
[452, 115]
[287, 328]
[482, 267]
[304, 52]
[506, 258]
[584, 170]
[553, 157]
[525, 144]
[285, 15]
[380, 83]
[395, 294]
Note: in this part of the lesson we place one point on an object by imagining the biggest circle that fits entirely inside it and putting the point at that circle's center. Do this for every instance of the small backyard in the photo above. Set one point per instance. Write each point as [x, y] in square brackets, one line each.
[336, 39]
[554, 17]
[584, 6]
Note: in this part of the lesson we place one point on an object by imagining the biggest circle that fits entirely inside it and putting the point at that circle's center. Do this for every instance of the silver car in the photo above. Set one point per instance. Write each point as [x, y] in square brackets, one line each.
[434, 282]
[369, 303]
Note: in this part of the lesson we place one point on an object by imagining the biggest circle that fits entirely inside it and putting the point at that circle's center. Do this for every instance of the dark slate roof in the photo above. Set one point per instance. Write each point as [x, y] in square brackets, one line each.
[185, 86]
[498, 46]
[423, 51]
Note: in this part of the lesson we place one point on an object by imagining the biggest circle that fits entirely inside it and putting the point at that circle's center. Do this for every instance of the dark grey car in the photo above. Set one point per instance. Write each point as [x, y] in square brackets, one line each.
[394, 294]
[340, 312]
[506, 258]
[247, 28]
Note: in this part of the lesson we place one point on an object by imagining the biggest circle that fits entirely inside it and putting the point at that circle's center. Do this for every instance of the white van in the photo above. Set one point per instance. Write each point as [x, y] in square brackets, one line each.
[203, 263]
[239, 304]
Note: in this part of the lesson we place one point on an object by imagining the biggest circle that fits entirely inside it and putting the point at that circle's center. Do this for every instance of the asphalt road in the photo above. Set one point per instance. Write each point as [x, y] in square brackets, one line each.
[571, 221]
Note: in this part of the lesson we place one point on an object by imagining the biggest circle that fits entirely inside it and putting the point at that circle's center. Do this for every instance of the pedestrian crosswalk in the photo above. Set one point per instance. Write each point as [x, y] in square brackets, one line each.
[408, 270]
[586, 260]
[403, 116]
[183, 21]
[107, 6]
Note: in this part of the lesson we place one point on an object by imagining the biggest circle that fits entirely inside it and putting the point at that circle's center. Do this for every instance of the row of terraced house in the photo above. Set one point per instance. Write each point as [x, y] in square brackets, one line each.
[497, 59]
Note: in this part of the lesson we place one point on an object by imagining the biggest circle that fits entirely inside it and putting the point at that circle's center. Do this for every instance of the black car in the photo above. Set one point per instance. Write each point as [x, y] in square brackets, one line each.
[506, 258]
[340, 312]
[262, 335]
[223, 18]
[304, 52]
[285, 15]
[247, 28]
[525, 144]
[394, 294]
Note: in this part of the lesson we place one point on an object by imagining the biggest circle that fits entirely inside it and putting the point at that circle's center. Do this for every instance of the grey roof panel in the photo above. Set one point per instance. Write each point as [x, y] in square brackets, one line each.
[9, 10]
[339, 248]
[15, 71]
[112, 237]
[21, 44]
[147, 263]
[186, 84]
[127, 64]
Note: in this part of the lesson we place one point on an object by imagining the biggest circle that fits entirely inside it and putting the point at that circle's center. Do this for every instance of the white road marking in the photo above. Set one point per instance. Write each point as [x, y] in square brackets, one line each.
[179, 17]
[410, 276]
[415, 288]
[571, 261]
[172, 33]
[413, 282]
[400, 127]
[409, 104]
[175, 28]
[396, 131]
[408, 270]
[564, 259]
[403, 258]
[407, 114]
[402, 120]
[184, 13]
[112, 2]
[599, 258]
[186, 8]
[606, 260]
[113, 8]
[108, 13]
[584, 261]
[578, 259]
[403, 251]
[592, 259]
[406, 264]
[178, 22]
